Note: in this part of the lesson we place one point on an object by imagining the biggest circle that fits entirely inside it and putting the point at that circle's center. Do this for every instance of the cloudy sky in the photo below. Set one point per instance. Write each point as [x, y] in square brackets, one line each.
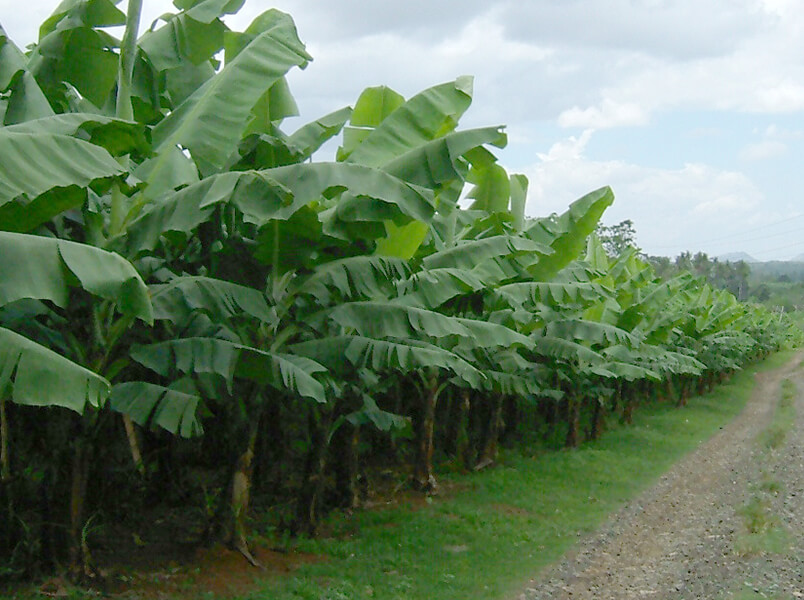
[691, 110]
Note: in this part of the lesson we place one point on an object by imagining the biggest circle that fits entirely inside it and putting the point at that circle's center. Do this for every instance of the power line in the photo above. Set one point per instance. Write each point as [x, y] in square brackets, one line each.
[763, 237]
[741, 233]
[798, 244]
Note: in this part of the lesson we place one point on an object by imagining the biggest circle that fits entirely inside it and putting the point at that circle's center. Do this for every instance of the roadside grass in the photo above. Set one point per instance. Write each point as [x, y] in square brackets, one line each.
[749, 592]
[784, 415]
[510, 522]
[764, 531]
[490, 532]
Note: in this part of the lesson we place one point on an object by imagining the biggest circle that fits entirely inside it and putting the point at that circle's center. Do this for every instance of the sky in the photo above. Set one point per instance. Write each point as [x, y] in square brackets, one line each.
[691, 110]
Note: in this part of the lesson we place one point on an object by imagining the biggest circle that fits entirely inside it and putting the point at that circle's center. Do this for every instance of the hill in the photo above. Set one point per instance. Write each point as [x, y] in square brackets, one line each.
[736, 257]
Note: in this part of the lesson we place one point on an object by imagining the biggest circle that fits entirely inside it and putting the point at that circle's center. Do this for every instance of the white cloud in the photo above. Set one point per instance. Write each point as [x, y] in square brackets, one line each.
[566, 150]
[763, 150]
[609, 114]
[782, 96]
[680, 29]
[753, 69]
[673, 209]
[725, 204]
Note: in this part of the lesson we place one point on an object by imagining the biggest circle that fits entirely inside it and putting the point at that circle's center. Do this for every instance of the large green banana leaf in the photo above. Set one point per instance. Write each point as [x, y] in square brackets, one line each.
[490, 335]
[511, 384]
[374, 104]
[284, 372]
[192, 36]
[310, 137]
[149, 404]
[426, 116]
[649, 306]
[277, 149]
[566, 350]
[567, 233]
[343, 353]
[116, 136]
[25, 98]
[277, 194]
[380, 319]
[368, 191]
[625, 371]
[211, 122]
[180, 213]
[492, 188]
[220, 300]
[467, 255]
[34, 375]
[45, 269]
[355, 276]
[73, 48]
[437, 162]
[553, 293]
[591, 332]
[33, 164]
[519, 197]
[433, 287]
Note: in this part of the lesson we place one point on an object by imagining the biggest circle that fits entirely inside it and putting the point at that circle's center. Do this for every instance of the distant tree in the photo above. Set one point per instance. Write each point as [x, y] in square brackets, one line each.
[684, 262]
[762, 293]
[742, 271]
[663, 266]
[701, 264]
[616, 239]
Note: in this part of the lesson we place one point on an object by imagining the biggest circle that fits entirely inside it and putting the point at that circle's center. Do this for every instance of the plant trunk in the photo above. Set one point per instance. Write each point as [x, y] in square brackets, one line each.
[573, 420]
[81, 566]
[6, 502]
[598, 420]
[491, 434]
[345, 464]
[134, 444]
[458, 436]
[682, 391]
[228, 525]
[5, 460]
[307, 504]
[241, 495]
[423, 478]
[669, 387]
[268, 458]
[512, 416]
[628, 395]
[8, 532]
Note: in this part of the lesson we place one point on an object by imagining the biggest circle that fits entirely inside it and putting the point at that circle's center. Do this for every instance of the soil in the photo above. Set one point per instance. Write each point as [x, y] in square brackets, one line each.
[688, 536]
[165, 560]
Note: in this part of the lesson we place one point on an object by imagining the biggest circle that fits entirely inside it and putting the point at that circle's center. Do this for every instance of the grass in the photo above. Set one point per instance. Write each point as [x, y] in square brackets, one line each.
[763, 530]
[784, 415]
[499, 527]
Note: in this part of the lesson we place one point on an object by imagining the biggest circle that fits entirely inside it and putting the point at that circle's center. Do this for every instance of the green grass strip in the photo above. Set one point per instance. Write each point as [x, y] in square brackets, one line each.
[510, 522]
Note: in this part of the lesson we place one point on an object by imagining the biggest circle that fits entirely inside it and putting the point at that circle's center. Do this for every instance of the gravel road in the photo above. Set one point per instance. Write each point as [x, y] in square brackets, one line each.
[688, 537]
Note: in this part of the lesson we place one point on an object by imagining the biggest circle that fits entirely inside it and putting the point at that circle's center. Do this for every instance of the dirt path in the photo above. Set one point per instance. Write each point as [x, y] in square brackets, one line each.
[688, 536]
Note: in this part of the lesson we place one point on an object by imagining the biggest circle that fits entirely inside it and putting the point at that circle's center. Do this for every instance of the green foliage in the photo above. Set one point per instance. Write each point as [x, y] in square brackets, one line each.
[619, 238]
[194, 264]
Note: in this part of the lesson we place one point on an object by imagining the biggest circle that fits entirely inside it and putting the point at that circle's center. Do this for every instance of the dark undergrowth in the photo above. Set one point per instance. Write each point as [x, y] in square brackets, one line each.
[481, 537]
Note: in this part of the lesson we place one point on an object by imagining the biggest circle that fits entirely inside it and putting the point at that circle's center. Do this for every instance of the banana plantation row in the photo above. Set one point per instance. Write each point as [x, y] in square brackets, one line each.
[194, 311]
